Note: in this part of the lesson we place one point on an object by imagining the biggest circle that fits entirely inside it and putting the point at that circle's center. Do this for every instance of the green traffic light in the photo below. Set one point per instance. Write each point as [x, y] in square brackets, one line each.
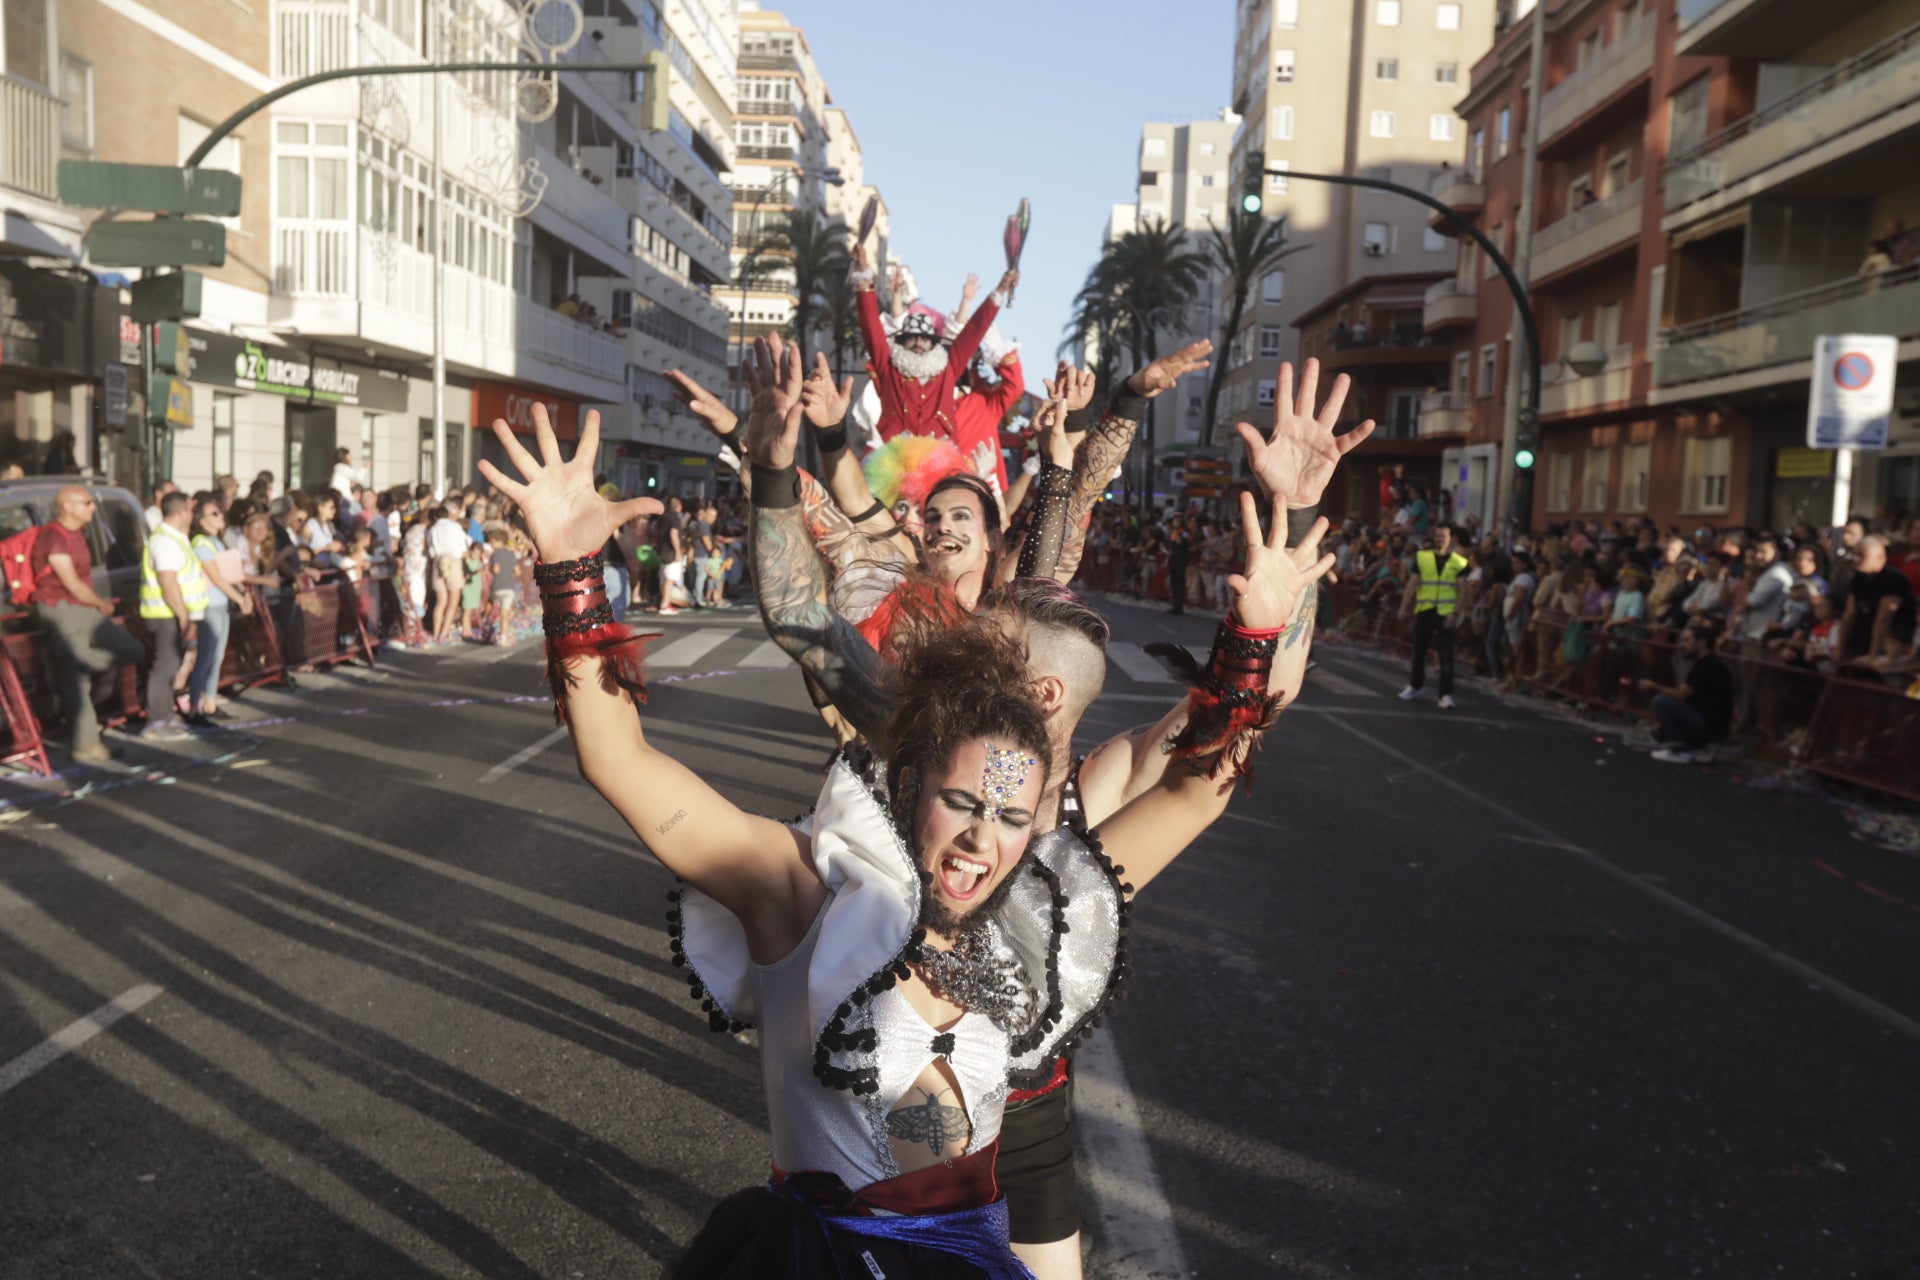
[1250, 202]
[1523, 459]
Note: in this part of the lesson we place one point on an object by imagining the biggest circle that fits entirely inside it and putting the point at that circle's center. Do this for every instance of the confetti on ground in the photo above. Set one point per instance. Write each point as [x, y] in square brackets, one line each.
[1899, 832]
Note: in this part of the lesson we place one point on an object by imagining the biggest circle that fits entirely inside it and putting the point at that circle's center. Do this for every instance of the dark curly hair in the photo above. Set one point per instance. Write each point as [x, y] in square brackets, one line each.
[957, 676]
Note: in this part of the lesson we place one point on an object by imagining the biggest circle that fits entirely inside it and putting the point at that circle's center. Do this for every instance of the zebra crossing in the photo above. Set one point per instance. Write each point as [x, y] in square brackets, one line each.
[693, 646]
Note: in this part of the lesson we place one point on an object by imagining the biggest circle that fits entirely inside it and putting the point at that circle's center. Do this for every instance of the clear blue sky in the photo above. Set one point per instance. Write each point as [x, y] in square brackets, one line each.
[963, 108]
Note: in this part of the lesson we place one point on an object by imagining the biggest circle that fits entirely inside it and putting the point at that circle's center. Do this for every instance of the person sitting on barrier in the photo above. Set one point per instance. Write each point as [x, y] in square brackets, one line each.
[225, 570]
[87, 647]
[1698, 711]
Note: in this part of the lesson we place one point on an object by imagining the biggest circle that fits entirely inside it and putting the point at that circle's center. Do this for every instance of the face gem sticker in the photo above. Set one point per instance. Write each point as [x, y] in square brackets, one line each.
[1005, 774]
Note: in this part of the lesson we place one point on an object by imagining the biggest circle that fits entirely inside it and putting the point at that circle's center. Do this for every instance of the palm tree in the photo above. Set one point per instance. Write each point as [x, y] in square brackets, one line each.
[1140, 280]
[840, 304]
[815, 251]
[1243, 251]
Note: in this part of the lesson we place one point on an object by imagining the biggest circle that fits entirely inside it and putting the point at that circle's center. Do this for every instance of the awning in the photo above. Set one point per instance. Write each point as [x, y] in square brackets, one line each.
[1728, 221]
[27, 238]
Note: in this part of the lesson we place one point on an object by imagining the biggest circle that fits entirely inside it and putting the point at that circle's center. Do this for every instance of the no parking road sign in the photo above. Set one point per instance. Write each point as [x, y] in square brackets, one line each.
[1850, 403]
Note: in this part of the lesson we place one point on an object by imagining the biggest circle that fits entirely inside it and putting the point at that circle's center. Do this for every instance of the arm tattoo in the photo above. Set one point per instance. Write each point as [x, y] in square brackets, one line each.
[1302, 625]
[678, 817]
[1107, 443]
[791, 581]
[929, 1122]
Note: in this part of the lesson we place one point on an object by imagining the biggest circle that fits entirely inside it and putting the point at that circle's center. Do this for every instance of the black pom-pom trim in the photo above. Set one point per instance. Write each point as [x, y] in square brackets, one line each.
[1117, 975]
[717, 1019]
[1033, 1036]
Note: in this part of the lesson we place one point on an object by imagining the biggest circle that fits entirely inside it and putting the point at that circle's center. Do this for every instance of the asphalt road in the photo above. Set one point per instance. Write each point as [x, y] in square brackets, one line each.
[381, 990]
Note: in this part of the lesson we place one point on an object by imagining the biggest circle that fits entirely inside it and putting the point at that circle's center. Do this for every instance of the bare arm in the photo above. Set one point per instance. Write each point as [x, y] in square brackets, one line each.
[756, 868]
[824, 405]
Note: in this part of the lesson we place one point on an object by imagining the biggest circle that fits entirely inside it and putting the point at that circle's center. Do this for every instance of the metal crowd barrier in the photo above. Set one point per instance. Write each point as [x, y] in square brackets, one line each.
[1852, 730]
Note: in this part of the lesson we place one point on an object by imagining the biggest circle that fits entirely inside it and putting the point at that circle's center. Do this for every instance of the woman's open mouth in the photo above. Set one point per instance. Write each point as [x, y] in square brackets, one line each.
[961, 877]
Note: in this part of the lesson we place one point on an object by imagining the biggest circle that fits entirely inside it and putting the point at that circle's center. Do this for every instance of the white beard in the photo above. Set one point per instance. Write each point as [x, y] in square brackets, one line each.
[921, 367]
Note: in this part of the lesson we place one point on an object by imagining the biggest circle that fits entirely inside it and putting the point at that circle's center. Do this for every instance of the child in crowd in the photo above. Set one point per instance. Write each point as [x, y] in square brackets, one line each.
[504, 567]
[357, 559]
[717, 563]
[474, 566]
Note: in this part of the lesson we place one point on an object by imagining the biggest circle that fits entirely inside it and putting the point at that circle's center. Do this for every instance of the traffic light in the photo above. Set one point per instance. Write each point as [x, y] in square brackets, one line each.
[1252, 181]
[1525, 441]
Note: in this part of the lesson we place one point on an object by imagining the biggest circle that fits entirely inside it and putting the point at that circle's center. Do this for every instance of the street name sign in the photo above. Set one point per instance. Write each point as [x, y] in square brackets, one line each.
[1850, 401]
[91, 184]
[164, 242]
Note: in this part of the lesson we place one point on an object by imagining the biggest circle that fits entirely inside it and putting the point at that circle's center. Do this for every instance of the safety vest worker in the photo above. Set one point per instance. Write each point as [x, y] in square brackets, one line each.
[195, 590]
[1439, 581]
[1430, 600]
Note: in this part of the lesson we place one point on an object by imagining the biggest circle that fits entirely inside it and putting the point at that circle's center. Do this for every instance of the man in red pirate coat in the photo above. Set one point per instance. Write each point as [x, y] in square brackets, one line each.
[913, 373]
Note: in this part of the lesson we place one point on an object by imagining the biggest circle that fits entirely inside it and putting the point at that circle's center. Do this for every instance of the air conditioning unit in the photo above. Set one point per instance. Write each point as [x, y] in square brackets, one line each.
[1376, 250]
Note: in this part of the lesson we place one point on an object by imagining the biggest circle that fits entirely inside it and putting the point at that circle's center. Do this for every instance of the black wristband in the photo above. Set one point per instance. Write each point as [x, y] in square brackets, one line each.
[878, 508]
[1299, 522]
[1127, 403]
[1079, 420]
[776, 488]
[831, 441]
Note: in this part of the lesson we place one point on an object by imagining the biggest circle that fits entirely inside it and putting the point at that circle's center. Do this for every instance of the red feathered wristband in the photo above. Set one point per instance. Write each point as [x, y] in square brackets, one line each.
[1230, 698]
[579, 623]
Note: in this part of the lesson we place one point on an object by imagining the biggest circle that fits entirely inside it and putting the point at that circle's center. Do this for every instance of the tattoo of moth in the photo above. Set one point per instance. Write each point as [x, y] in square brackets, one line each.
[678, 817]
[929, 1122]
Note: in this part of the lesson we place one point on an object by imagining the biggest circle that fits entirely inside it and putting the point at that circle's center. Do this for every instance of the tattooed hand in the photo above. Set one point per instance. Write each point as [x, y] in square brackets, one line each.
[1295, 463]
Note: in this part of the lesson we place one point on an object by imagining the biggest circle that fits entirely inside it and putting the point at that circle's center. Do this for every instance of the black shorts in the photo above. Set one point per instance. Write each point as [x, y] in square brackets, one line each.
[1035, 1168]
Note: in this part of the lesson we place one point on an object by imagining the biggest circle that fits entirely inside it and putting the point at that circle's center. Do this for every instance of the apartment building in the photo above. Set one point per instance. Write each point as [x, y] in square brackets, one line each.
[781, 134]
[576, 251]
[1366, 88]
[1185, 182]
[1792, 209]
[58, 326]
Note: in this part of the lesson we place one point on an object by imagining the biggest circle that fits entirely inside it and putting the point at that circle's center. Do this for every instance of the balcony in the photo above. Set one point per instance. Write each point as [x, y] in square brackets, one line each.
[1405, 346]
[1871, 101]
[545, 334]
[29, 138]
[1444, 415]
[1562, 391]
[1462, 191]
[1608, 73]
[311, 36]
[1766, 29]
[1601, 227]
[789, 154]
[584, 212]
[1450, 304]
[770, 62]
[1778, 335]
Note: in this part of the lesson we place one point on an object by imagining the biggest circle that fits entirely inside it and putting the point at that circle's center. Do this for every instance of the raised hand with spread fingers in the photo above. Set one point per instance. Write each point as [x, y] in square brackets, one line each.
[567, 517]
[1296, 461]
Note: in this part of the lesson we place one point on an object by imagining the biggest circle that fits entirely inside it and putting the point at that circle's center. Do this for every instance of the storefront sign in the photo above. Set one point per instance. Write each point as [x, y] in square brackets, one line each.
[493, 400]
[1795, 463]
[1850, 404]
[221, 360]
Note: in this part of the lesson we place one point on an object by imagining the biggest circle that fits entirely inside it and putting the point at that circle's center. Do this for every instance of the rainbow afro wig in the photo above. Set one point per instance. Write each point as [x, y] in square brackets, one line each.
[907, 467]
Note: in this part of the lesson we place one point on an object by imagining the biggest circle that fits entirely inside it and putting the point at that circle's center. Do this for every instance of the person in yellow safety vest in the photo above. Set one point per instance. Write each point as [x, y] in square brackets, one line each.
[1432, 592]
[173, 597]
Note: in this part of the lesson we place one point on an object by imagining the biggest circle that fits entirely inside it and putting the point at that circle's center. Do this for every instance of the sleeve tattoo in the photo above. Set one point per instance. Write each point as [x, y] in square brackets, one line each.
[791, 582]
[1107, 443]
[929, 1122]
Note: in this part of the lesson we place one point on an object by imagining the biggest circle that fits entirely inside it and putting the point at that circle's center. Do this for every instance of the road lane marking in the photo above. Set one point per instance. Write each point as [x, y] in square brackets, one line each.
[767, 654]
[1136, 1222]
[689, 649]
[1139, 664]
[520, 757]
[1799, 968]
[75, 1034]
[1321, 678]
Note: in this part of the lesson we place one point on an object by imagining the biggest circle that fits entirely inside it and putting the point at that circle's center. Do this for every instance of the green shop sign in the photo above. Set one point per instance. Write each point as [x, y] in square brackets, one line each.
[221, 360]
